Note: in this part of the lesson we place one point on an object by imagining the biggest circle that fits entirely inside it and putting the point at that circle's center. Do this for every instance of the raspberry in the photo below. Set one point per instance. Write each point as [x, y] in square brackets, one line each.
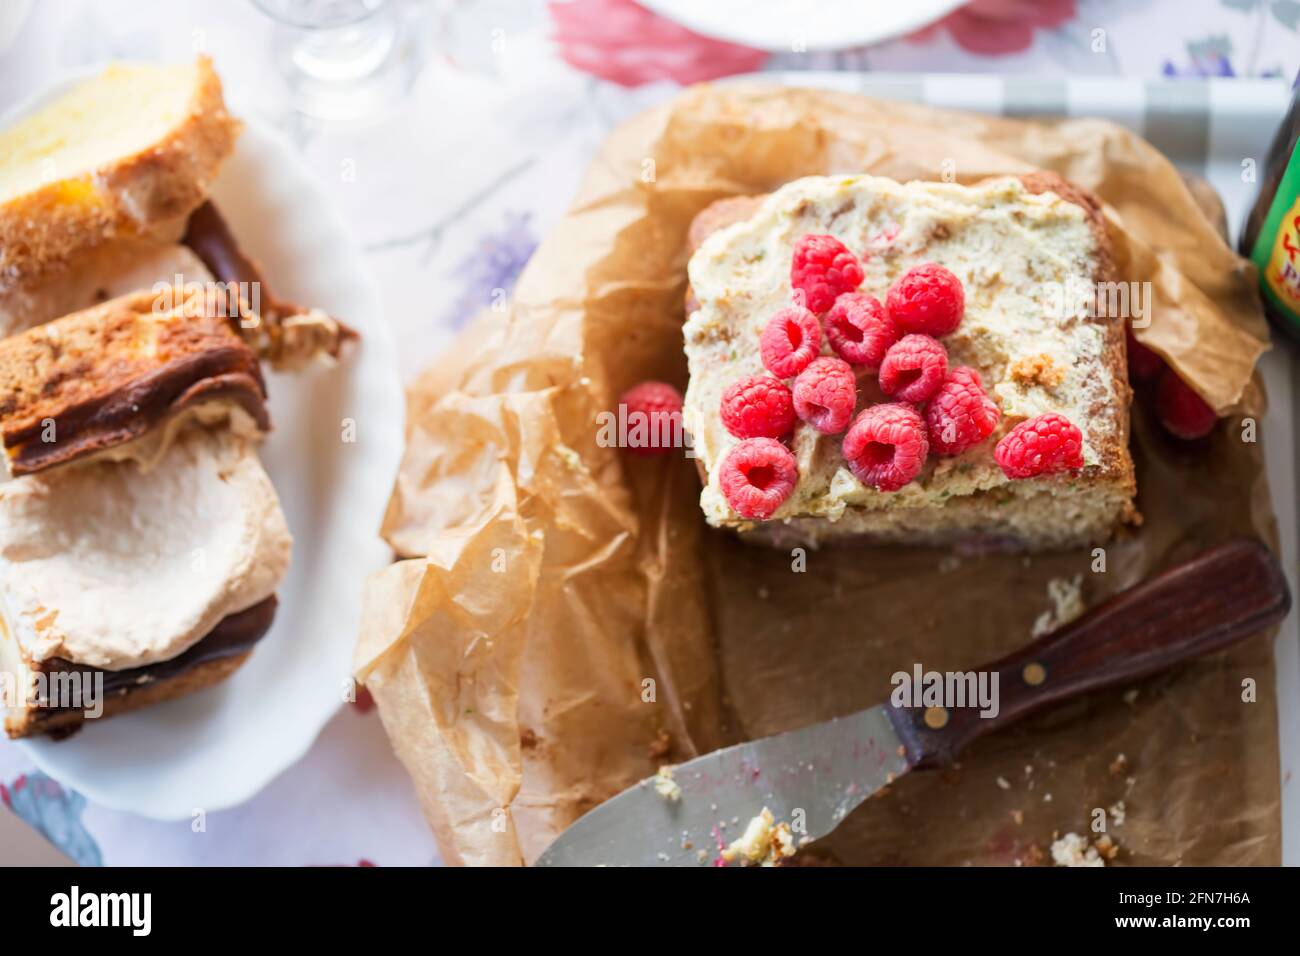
[823, 269]
[756, 476]
[1040, 446]
[927, 299]
[790, 340]
[1143, 363]
[1183, 413]
[825, 393]
[758, 407]
[913, 368]
[960, 415]
[859, 330]
[661, 404]
[886, 446]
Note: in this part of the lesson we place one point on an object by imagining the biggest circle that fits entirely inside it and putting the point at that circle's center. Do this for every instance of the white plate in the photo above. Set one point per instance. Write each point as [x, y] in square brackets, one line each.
[218, 748]
[786, 25]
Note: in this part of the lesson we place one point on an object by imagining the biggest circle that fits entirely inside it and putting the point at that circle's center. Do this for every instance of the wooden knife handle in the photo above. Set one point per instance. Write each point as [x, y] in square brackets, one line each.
[1225, 594]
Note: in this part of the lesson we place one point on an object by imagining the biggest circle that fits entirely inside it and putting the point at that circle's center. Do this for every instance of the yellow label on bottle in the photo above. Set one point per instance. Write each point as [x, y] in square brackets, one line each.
[1282, 274]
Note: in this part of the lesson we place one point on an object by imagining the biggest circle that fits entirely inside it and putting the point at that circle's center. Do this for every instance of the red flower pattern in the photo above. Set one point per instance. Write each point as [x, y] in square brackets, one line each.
[628, 45]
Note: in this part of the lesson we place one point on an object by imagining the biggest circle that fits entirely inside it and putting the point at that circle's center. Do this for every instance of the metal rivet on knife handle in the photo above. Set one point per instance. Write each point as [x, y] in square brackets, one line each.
[1034, 674]
[935, 717]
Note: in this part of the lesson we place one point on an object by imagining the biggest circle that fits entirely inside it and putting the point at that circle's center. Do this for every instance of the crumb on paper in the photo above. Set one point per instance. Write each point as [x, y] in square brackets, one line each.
[1131, 696]
[1066, 595]
[1004, 783]
[661, 746]
[764, 842]
[1018, 816]
[572, 460]
[527, 739]
[1074, 850]
[1118, 765]
[666, 786]
[1117, 813]
[1033, 856]
[1106, 847]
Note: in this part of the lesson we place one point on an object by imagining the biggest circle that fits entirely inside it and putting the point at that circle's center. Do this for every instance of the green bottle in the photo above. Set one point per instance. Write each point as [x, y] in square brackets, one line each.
[1271, 238]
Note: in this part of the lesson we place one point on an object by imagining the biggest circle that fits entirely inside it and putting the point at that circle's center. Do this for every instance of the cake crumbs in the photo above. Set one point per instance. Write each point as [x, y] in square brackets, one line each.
[1074, 850]
[764, 842]
[1118, 813]
[1118, 765]
[1066, 595]
[661, 746]
[1003, 783]
[1018, 816]
[666, 786]
[1037, 370]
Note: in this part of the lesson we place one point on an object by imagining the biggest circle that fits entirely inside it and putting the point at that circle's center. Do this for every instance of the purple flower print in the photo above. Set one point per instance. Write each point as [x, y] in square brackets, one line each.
[489, 271]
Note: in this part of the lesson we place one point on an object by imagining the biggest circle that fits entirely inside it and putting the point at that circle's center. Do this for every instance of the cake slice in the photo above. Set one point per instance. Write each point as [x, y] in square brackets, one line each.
[159, 581]
[130, 152]
[119, 379]
[108, 271]
[1023, 249]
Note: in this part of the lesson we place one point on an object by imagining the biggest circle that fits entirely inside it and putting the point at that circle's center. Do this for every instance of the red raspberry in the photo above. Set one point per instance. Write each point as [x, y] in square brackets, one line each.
[758, 407]
[756, 476]
[825, 393]
[1183, 413]
[886, 446]
[662, 406]
[1040, 446]
[859, 330]
[1143, 363]
[823, 269]
[927, 299]
[790, 340]
[960, 415]
[913, 368]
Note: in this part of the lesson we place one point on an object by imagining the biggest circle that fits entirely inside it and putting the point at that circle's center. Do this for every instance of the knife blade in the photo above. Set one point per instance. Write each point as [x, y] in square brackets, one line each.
[811, 779]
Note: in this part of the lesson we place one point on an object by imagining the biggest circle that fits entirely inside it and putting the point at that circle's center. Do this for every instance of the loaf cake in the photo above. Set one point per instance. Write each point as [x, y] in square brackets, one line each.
[121, 377]
[158, 580]
[127, 153]
[1047, 366]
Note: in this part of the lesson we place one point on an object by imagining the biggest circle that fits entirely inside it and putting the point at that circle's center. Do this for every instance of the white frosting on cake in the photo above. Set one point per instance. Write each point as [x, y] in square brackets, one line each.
[110, 566]
[1023, 260]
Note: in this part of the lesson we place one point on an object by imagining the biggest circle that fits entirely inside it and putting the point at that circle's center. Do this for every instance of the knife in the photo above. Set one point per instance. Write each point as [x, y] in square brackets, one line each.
[817, 775]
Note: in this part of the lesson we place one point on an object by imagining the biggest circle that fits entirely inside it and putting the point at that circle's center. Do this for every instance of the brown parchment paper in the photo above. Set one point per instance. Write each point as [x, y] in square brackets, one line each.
[564, 621]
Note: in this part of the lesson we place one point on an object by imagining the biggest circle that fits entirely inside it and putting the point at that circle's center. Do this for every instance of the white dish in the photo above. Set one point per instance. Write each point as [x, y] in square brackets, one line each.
[795, 25]
[218, 748]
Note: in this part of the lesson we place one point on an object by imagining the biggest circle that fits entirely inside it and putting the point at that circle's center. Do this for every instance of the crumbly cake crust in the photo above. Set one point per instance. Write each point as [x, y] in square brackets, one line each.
[107, 375]
[40, 231]
[1046, 512]
[34, 721]
[209, 662]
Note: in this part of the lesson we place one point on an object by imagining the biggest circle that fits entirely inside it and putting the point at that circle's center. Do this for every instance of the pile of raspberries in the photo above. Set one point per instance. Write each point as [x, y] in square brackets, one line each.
[933, 408]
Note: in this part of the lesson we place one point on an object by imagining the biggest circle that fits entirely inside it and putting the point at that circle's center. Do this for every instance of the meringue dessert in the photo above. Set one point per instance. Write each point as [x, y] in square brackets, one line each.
[162, 578]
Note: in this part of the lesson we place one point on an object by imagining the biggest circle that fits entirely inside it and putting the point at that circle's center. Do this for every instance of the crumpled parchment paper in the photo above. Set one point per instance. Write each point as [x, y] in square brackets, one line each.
[563, 621]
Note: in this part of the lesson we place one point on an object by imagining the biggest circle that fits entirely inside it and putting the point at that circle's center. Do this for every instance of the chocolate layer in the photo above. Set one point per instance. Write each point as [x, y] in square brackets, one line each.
[107, 375]
[234, 635]
[208, 236]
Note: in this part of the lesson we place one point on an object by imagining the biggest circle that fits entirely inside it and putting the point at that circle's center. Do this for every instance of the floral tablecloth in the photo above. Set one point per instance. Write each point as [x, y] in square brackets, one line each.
[449, 191]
